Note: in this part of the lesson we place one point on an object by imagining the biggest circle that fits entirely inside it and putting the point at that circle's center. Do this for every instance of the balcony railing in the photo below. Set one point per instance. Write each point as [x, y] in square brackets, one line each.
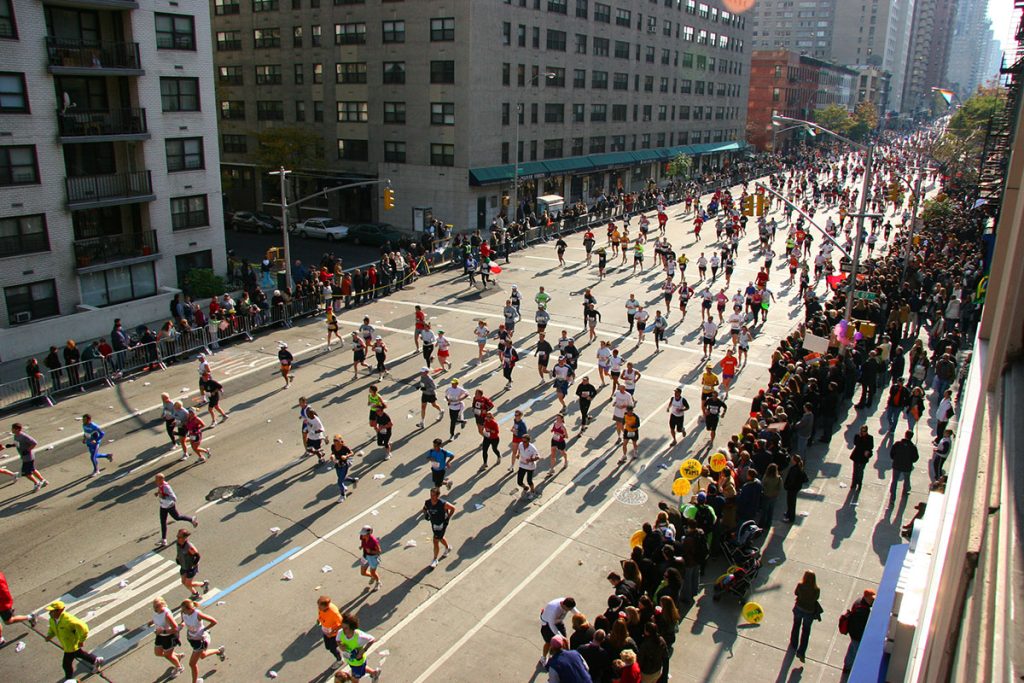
[110, 248]
[97, 188]
[83, 54]
[127, 121]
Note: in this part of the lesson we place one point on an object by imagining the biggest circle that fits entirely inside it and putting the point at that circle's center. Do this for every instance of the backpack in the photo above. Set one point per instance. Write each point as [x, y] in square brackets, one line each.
[844, 622]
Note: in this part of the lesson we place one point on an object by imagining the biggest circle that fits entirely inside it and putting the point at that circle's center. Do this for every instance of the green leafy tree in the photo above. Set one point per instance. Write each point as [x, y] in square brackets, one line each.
[938, 211]
[202, 283]
[289, 146]
[834, 118]
[680, 166]
[958, 150]
[864, 120]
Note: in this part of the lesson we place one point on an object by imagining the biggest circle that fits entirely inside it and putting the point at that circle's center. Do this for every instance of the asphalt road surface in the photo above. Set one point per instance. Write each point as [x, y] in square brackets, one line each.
[265, 511]
[309, 250]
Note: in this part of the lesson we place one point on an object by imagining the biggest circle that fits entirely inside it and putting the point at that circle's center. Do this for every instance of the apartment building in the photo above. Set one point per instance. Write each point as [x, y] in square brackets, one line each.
[109, 181]
[879, 35]
[442, 97]
[805, 27]
[928, 58]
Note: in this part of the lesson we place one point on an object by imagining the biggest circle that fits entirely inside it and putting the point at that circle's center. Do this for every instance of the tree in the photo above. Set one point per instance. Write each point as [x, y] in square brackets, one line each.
[289, 146]
[958, 150]
[834, 118]
[938, 211]
[974, 114]
[864, 120]
[680, 166]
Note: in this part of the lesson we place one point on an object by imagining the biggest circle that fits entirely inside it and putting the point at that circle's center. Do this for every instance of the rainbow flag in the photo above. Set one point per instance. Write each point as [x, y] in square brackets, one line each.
[946, 95]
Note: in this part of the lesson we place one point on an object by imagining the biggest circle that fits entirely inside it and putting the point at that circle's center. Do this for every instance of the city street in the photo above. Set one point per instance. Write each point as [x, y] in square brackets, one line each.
[266, 513]
[253, 246]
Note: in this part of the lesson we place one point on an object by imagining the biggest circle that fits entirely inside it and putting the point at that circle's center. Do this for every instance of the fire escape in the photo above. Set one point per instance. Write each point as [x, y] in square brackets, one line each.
[995, 155]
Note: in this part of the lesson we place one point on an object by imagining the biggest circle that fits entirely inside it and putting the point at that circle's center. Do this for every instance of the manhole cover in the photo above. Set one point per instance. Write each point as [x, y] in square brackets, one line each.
[229, 493]
[630, 496]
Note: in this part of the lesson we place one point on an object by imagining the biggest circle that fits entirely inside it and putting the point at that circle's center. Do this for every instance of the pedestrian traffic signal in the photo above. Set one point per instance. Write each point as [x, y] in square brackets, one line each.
[895, 191]
[760, 201]
[747, 204]
[389, 199]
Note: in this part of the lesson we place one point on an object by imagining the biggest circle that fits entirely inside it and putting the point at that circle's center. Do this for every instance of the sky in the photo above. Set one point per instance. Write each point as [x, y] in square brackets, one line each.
[1003, 21]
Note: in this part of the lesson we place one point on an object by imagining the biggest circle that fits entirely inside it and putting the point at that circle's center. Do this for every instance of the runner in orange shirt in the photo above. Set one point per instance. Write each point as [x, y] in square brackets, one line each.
[728, 364]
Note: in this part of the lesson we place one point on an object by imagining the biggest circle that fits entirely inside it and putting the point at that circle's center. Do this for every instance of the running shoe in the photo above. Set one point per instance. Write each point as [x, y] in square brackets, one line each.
[220, 653]
[433, 564]
[446, 552]
[206, 586]
[195, 522]
[98, 665]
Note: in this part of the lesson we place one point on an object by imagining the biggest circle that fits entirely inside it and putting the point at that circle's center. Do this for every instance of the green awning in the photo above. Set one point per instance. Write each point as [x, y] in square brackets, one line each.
[491, 175]
[569, 165]
[645, 155]
[611, 159]
[714, 148]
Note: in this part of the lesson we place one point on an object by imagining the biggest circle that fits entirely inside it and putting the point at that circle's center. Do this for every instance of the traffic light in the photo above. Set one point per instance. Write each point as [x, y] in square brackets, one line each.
[760, 201]
[389, 199]
[895, 191]
[747, 205]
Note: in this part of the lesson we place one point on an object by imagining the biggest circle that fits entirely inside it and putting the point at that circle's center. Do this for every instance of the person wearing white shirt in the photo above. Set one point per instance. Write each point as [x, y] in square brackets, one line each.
[641, 318]
[604, 357]
[455, 397]
[631, 307]
[529, 456]
[615, 368]
[709, 330]
[735, 321]
[621, 400]
[552, 620]
[630, 376]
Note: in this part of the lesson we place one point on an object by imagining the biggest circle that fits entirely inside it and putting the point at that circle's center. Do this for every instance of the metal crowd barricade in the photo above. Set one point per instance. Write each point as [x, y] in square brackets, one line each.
[185, 344]
[77, 376]
[141, 357]
[234, 326]
[22, 391]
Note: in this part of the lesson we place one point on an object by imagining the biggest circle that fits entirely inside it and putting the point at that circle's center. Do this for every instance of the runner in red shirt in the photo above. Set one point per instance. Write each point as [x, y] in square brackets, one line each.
[491, 433]
[762, 278]
[421, 324]
[728, 364]
[481, 407]
[7, 609]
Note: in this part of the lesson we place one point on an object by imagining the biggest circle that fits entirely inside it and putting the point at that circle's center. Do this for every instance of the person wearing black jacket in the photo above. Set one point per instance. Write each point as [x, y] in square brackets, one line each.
[828, 411]
[856, 622]
[904, 454]
[863, 449]
[625, 588]
[795, 479]
[868, 380]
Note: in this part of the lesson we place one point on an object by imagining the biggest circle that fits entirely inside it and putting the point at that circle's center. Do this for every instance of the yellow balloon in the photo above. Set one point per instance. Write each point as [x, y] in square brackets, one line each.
[753, 613]
[718, 461]
[691, 468]
[681, 487]
[637, 539]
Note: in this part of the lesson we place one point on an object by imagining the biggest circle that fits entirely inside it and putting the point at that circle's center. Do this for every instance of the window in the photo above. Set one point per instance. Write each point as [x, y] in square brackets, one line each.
[233, 144]
[184, 154]
[623, 17]
[579, 78]
[442, 29]
[23, 235]
[536, 36]
[581, 10]
[228, 40]
[175, 32]
[688, 34]
[8, 27]
[621, 49]
[266, 37]
[315, 36]
[521, 35]
[506, 33]
[189, 212]
[393, 31]
[505, 118]
[556, 40]
[300, 111]
[299, 73]
[222, 7]
[18, 166]
[597, 144]
[394, 152]
[648, 83]
[581, 43]
[116, 285]
[353, 150]
[318, 73]
[442, 72]
[442, 155]
[268, 74]
[554, 113]
[685, 86]
[663, 84]
[442, 113]
[649, 54]
[318, 111]
[560, 6]
[602, 13]
[350, 72]
[557, 80]
[577, 147]
[684, 113]
[663, 112]
[394, 72]
[618, 112]
[599, 112]
[579, 113]
[647, 112]
[645, 141]
[350, 34]
[264, 6]
[618, 143]
[179, 94]
[269, 110]
[229, 75]
[353, 112]
[394, 112]
[620, 81]
[601, 47]
[13, 94]
[553, 149]
[32, 301]
[599, 80]
[232, 110]
[296, 36]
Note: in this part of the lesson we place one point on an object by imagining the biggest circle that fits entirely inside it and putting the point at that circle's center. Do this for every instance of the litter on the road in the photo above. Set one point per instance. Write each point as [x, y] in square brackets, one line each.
[123, 583]
[221, 603]
[89, 615]
[774, 560]
[327, 569]
[410, 543]
[288, 576]
[842, 485]
[146, 384]
[184, 389]
[272, 674]
[119, 629]
[275, 529]
[60, 429]
[20, 647]
[379, 476]
[280, 440]
[478, 506]
[384, 653]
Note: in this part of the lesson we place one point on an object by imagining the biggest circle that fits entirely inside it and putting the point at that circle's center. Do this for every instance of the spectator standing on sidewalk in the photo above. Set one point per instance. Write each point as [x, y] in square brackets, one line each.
[903, 454]
[856, 619]
[795, 479]
[805, 610]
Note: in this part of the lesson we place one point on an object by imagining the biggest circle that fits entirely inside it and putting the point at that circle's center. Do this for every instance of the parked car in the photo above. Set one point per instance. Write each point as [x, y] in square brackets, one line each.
[255, 221]
[325, 228]
[377, 234]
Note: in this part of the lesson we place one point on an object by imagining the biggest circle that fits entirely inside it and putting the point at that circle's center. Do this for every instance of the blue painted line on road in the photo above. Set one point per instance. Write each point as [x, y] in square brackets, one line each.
[250, 576]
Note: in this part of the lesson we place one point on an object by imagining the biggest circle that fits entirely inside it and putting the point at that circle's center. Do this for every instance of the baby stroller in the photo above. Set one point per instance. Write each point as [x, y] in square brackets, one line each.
[739, 546]
[737, 579]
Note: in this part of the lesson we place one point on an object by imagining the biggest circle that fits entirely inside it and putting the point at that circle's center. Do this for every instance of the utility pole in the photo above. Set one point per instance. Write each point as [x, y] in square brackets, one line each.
[913, 227]
[284, 225]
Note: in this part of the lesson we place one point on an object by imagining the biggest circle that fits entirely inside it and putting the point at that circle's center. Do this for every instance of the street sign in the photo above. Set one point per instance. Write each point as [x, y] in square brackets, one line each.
[867, 296]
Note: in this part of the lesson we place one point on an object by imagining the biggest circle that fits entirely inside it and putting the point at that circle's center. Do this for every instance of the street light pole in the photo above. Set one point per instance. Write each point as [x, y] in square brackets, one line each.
[284, 225]
[913, 227]
[857, 243]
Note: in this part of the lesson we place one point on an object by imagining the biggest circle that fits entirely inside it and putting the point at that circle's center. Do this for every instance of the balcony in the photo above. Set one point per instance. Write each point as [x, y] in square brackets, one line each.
[88, 58]
[98, 251]
[96, 4]
[94, 191]
[102, 126]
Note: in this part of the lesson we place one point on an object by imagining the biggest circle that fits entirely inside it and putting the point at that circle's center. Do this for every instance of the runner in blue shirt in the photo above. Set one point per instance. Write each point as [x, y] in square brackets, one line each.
[92, 436]
[439, 461]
